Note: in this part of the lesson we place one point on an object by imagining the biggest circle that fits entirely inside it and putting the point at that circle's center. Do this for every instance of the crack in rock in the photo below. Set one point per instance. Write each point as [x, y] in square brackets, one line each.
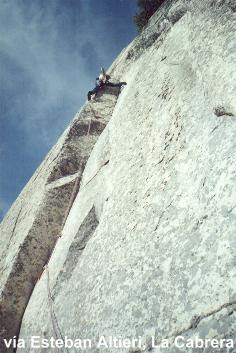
[194, 323]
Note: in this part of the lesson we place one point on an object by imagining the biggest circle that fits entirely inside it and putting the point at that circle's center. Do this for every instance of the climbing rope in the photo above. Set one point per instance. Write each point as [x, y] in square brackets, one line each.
[55, 325]
[94, 114]
[89, 126]
[90, 120]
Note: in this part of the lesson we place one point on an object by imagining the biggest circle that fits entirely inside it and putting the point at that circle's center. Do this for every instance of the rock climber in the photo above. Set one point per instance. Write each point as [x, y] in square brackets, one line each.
[102, 81]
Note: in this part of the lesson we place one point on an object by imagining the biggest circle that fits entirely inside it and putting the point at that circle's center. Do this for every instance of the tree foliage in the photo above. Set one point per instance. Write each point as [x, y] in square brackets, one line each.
[146, 8]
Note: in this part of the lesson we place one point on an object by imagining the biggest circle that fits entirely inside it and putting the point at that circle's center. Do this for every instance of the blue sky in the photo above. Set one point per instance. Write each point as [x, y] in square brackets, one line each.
[50, 53]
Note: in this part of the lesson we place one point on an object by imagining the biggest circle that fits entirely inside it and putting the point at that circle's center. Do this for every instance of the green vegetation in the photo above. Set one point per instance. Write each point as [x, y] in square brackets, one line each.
[146, 8]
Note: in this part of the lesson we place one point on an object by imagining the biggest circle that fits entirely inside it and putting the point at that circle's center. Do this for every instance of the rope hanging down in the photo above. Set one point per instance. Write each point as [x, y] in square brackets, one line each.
[55, 325]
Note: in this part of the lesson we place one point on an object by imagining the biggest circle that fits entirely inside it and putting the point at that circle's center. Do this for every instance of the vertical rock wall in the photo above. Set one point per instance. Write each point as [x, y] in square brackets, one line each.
[148, 248]
[32, 226]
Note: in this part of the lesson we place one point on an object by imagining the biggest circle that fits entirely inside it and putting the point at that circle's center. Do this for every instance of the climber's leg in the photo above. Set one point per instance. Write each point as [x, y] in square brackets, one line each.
[94, 91]
[110, 84]
[119, 84]
[89, 95]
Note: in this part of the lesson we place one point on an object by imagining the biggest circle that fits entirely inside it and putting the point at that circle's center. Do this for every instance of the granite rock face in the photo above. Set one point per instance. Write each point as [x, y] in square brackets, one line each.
[148, 247]
[32, 226]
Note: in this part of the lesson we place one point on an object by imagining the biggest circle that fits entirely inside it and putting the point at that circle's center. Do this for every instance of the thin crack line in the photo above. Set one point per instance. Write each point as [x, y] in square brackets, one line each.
[16, 221]
[162, 214]
[195, 321]
[83, 186]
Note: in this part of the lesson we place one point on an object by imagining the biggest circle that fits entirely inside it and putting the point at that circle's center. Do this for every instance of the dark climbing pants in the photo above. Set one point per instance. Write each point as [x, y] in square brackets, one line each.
[114, 84]
[97, 88]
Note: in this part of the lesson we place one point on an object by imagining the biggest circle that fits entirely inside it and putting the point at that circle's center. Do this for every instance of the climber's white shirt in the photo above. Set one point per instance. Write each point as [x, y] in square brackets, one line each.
[118, 342]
